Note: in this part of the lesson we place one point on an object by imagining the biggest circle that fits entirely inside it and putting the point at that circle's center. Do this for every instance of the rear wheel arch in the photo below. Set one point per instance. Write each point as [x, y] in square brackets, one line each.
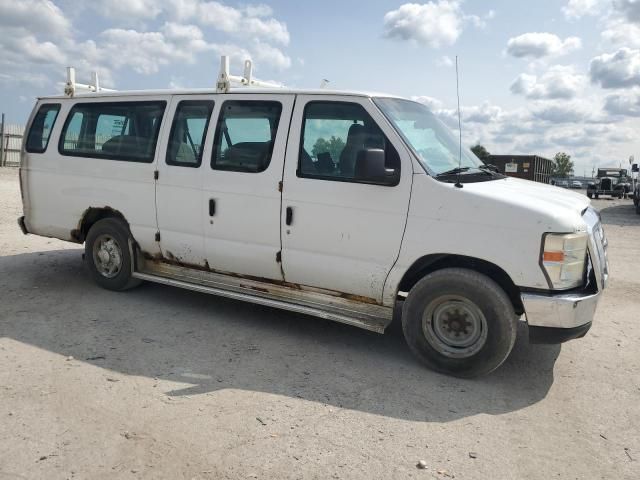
[431, 263]
[92, 215]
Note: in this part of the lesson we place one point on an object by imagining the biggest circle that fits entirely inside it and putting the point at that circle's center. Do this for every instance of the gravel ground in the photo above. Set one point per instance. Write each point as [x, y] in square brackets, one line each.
[166, 383]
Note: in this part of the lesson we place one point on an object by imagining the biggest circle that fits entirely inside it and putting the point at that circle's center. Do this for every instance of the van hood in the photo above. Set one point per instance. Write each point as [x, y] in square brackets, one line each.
[547, 201]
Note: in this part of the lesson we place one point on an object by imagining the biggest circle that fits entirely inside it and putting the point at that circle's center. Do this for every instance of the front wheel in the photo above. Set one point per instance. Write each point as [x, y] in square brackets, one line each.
[589, 194]
[107, 255]
[459, 322]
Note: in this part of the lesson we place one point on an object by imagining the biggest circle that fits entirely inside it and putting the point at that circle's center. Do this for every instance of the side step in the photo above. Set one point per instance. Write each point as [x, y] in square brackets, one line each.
[330, 306]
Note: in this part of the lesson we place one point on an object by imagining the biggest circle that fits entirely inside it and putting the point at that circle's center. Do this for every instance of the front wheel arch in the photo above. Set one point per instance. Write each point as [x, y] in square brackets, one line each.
[431, 263]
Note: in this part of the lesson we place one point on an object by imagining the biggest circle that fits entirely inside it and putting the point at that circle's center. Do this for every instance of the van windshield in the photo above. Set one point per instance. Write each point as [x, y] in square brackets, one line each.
[434, 144]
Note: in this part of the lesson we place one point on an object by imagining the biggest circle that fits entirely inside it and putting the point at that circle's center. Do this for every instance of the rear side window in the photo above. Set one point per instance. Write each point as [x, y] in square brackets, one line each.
[245, 135]
[125, 131]
[40, 130]
[188, 131]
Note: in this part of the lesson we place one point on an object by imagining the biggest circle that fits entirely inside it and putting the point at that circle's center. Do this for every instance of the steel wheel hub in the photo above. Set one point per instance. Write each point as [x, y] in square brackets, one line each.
[454, 326]
[107, 256]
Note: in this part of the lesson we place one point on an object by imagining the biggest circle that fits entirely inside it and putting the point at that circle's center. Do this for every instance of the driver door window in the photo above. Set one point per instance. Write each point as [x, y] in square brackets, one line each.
[333, 136]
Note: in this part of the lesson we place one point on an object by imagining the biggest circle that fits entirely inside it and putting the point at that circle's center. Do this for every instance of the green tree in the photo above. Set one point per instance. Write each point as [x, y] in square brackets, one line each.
[334, 146]
[563, 166]
[481, 152]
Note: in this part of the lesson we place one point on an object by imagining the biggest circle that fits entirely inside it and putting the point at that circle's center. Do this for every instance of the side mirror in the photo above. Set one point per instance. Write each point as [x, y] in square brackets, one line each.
[370, 167]
[634, 168]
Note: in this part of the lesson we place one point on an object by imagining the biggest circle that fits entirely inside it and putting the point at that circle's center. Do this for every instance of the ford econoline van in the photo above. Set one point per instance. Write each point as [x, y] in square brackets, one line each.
[342, 205]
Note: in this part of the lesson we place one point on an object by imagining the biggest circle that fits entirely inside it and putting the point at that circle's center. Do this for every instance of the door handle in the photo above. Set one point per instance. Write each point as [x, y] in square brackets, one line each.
[212, 207]
[289, 216]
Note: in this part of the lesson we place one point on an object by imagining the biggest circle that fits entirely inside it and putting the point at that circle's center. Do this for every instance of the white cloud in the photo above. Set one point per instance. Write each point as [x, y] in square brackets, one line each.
[619, 33]
[432, 103]
[630, 9]
[128, 9]
[21, 49]
[254, 21]
[626, 104]
[539, 45]
[445, 61]
[616, 70]
[558, 82]
[36, 16]
[579, 8]
[270, 55]
[561, 112]
[434, 24]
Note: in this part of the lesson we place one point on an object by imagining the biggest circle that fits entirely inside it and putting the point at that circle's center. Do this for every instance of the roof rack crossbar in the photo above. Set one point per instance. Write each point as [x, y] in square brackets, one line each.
[223, 85]
[72, 86]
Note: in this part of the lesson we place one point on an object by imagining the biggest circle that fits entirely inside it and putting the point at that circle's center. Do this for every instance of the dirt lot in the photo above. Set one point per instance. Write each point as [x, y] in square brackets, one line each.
[165, 383]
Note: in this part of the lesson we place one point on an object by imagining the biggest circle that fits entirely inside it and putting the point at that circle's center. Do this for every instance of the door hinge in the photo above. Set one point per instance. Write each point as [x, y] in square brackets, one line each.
[157, 236]
[156, 175]
[280, 186]
[279, 257]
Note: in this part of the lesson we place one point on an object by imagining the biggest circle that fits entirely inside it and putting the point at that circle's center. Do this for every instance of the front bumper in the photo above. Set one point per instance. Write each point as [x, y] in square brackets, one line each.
[571, 314]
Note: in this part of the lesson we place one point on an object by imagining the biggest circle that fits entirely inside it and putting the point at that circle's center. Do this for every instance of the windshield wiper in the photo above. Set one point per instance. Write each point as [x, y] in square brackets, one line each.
[453, 171]
[489, 168]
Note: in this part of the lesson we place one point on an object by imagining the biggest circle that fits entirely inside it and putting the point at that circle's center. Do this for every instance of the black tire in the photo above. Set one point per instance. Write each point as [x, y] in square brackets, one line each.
[596, 196]
[475, 292]
[107, 230]
[589, 194]
[638, 208]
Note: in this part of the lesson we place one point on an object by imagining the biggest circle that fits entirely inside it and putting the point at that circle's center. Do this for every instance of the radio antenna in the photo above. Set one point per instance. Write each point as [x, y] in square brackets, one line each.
[458, 184]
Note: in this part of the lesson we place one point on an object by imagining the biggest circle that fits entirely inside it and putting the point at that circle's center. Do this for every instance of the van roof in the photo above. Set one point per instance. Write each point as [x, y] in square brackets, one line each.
[213, 91]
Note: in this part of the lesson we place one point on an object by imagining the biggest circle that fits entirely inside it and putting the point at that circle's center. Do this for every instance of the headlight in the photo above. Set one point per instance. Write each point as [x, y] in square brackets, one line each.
[564, 258]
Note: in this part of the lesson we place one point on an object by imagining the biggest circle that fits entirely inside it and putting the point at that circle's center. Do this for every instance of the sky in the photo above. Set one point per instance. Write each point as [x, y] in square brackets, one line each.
[535, 77]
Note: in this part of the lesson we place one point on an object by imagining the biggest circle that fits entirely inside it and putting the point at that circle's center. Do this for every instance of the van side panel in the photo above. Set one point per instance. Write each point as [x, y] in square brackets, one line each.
[59, 188]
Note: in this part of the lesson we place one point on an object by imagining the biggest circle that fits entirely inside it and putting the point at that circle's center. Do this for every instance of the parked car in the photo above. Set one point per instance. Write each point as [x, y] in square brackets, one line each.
[562, 184]
[610, 181]
[576, 184]
[237, 192]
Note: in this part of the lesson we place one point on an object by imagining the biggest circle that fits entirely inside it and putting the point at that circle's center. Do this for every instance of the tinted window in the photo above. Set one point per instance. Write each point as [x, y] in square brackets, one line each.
[118, 131]
[188, 133]
[333, 135]
[245, 135]
[41, 127]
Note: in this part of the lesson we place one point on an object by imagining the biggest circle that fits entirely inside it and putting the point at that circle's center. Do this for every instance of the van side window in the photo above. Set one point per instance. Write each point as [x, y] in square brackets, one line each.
[333, 136]
[245, 135]
[125, 131]
[40, 130]
[186, 141]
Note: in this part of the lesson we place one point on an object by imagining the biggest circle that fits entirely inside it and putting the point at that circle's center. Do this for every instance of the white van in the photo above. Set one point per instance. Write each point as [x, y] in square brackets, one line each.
[341, 205]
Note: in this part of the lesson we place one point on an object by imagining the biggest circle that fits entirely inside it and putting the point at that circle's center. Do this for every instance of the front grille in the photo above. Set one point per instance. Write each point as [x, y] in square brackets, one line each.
[605, 184]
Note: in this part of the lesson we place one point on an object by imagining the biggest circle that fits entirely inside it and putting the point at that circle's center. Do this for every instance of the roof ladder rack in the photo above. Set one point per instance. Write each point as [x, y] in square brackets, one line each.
[71, 86]
[225, 79]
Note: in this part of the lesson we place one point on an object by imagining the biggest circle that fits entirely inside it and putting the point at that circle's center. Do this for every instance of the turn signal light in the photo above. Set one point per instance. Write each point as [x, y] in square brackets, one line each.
[553, 256]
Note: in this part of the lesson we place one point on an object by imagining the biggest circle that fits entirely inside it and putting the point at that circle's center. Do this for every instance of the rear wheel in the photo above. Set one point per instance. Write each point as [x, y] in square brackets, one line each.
[107, 255]
[459, 322]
